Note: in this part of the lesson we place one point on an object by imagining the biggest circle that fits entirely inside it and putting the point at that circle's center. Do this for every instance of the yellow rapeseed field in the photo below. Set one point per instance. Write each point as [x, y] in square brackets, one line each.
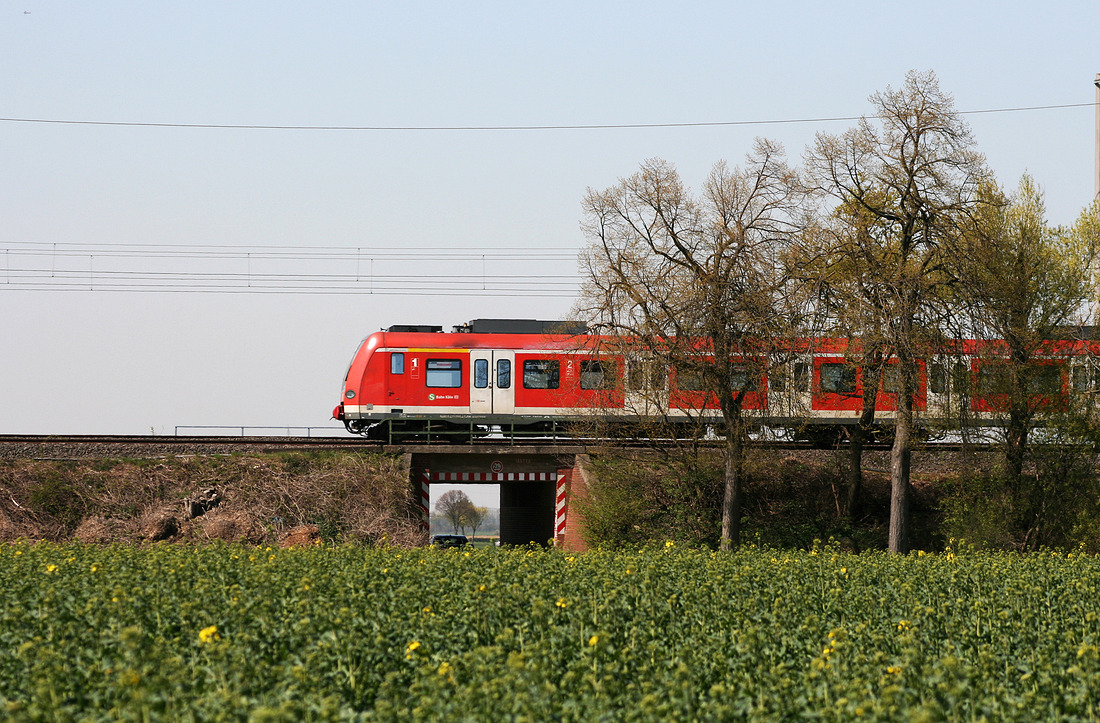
[178, 633]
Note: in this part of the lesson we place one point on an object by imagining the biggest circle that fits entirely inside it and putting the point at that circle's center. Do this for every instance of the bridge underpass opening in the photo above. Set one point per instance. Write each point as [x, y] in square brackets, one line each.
[483, 494]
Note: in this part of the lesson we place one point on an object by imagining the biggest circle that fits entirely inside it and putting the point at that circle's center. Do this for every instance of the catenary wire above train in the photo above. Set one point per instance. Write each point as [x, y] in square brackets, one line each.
[562, 127]
[486, 272]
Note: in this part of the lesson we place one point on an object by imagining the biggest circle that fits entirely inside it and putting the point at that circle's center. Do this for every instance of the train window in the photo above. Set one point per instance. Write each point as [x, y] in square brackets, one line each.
[937, 378]
[443, 373]
[635, 375]
[541, 374]
[397, 362]
[481, 373]
[504, 373]
[961, 378]
[798, 374]
[1046, 379]
[690, 380]
[595, 375]
[777, 379]
[993, 378]
[1084, 379]
[802, 376]
[838, 378]
[743, 378]
[891, 378]
[645, 374]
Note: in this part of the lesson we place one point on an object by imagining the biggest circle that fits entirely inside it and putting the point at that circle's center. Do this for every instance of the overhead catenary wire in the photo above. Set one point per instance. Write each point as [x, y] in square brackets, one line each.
[488, 272]
[533, 127]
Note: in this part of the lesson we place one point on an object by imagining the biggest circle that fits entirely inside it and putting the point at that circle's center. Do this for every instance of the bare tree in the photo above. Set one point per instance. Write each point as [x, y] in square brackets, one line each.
[455, 506]
[700, 285]
[911, 177]
[475, 517]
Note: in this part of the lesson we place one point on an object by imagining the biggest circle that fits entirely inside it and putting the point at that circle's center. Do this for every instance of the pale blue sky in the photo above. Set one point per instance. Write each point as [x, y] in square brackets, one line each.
[103, 361]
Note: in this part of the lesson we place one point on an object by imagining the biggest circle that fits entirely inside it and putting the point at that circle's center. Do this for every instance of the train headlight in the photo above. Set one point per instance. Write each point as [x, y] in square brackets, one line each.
[349, 394]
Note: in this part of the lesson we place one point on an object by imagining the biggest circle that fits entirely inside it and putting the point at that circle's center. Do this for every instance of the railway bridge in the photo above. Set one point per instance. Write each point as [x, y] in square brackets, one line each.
[538, 486]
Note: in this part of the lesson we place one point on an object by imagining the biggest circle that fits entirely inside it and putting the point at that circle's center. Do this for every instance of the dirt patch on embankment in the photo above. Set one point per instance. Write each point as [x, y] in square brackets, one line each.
[290, 498]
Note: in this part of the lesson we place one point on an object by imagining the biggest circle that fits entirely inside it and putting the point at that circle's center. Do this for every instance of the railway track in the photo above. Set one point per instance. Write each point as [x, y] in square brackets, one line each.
[88, 445]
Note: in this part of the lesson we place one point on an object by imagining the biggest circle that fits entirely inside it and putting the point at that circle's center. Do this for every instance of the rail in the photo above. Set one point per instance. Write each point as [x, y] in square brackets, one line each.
[249, 431]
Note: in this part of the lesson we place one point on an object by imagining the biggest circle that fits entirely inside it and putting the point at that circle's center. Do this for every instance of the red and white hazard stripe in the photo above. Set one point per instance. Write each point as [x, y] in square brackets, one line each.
[494, 476]
[559, 511]
[425, 500]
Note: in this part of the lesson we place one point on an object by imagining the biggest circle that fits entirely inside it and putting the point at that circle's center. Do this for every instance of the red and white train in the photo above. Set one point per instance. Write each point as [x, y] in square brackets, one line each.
[526, 377]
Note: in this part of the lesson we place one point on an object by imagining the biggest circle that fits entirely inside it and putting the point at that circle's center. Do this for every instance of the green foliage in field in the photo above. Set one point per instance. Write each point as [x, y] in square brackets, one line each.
[661, 633]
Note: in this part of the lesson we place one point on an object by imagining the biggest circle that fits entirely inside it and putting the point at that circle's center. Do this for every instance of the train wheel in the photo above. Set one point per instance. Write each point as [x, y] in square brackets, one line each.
[824, 437]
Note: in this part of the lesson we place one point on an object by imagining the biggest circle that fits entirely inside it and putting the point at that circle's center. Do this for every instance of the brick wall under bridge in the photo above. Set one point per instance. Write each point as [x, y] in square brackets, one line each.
[536, 487]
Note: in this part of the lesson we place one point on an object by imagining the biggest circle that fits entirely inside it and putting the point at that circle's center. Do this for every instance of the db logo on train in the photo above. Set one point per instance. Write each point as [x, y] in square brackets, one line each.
[497, 466]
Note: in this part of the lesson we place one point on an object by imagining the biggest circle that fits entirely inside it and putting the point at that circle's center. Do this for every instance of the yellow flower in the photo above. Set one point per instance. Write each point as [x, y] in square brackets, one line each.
[669, 544]
[481, 588]
[412, 648]
[51, 568]
[593, 641]
[427, 609]
[562, 602]
[444, 668]
[209, 635]
[894, 669]
[903, 625]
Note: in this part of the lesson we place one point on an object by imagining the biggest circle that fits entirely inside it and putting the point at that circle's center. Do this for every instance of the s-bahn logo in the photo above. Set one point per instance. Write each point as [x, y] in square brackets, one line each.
[434, 397]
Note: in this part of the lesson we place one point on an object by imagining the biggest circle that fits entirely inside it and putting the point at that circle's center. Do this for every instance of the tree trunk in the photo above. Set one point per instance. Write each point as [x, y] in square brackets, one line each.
[899, 463]
[1015, 447]
[731, 499]
[853, 487]
[859, 435]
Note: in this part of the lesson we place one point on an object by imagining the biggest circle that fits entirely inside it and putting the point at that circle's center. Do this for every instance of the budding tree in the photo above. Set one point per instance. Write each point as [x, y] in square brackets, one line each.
[911, 177]
[702, 284]
[1028, 285]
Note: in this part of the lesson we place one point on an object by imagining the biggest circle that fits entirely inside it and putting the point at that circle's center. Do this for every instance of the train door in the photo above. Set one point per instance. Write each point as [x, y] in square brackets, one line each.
[492, 383]
[395, 381]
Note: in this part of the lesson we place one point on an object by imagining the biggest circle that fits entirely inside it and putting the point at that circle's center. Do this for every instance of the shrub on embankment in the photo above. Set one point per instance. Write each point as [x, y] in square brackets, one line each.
[256, 499]
[791, 499]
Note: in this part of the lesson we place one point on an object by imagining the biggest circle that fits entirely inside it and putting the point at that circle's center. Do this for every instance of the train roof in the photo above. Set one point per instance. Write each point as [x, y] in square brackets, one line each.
[500, 326]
